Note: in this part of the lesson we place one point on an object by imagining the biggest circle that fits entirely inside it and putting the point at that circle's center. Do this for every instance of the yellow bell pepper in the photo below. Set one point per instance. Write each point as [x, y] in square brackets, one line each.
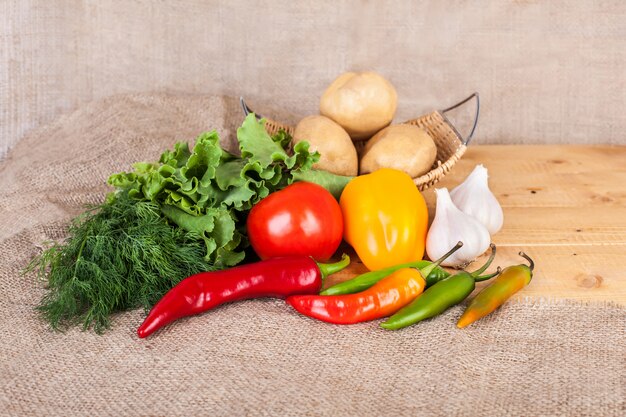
[385, 218]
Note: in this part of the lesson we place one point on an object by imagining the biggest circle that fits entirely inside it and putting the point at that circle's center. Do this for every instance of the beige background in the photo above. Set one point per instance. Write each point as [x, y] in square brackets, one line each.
[547, 71]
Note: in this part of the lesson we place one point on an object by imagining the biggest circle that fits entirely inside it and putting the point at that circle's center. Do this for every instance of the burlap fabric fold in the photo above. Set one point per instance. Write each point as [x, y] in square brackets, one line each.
[259, 358]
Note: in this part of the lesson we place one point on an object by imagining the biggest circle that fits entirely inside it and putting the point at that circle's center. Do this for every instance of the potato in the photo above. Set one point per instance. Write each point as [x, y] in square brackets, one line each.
[404, 147]
[362, 103]
[337, 152]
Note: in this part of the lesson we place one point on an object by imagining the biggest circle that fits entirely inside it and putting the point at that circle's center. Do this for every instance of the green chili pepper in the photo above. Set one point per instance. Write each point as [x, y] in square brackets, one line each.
[366, 280]
[510, 281]
[440, 297]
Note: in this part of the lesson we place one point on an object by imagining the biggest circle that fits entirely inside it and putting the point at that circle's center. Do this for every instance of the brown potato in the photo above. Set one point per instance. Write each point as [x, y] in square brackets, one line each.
[362, 103]
[337, 152]
[404, 147]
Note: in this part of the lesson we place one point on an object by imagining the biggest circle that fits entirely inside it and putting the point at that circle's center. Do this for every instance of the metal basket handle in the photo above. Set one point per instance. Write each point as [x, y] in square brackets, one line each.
[466, 141]
[247, 110]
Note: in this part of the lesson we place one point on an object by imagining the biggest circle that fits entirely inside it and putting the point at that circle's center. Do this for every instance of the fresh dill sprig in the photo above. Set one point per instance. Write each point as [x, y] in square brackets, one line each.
[120, 255]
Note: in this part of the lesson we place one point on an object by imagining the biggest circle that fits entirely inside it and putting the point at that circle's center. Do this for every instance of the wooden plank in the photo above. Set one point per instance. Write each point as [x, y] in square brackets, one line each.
[534, 189]
[563, 205]
[586, 273]
[547, 159]
[580, 200]
[563, 226]
[583, 175]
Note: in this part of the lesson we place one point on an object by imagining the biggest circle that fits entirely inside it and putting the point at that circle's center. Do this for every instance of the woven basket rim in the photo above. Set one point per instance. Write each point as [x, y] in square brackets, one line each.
[433, 176]
[426, 180]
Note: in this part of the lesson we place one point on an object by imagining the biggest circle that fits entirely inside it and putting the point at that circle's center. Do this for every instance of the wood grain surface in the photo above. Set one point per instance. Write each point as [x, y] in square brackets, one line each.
[563, 205]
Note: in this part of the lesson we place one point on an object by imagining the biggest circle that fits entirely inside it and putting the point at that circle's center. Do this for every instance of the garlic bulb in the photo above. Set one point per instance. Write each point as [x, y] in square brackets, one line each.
[474, 197]
[450, 226]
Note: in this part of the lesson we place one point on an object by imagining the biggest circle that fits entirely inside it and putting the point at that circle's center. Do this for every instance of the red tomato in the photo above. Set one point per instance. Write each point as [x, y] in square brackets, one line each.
[301, 219]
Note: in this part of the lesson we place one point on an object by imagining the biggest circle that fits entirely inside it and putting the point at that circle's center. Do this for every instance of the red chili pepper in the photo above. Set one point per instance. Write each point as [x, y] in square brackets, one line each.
[278, 277]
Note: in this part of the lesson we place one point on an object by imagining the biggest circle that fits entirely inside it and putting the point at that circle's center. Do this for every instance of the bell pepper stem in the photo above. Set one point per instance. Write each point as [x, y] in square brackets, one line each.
[488, 276]
[428, 269]
[329, 269]
[486, 265]
[531, 265]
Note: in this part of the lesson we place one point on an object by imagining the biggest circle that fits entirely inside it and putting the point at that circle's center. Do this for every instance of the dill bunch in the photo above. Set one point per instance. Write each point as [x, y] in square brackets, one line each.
[120, 255]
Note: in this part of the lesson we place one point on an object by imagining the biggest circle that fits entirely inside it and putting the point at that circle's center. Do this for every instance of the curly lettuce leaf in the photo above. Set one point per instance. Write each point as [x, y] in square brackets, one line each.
[218, 230]
[201, 190]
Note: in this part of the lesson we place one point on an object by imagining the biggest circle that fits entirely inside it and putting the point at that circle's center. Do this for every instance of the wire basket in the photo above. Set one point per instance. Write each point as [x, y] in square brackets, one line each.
[450, 143]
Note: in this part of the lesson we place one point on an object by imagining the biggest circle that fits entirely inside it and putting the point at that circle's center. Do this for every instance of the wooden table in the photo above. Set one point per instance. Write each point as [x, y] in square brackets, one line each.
[565, 206]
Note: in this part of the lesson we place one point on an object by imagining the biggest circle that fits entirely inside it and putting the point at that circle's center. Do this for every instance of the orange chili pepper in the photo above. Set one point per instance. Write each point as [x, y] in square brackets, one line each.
[380, 300]
[510, 281]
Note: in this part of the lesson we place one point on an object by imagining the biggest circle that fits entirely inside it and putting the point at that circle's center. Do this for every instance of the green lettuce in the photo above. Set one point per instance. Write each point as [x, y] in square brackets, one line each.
[207, 191]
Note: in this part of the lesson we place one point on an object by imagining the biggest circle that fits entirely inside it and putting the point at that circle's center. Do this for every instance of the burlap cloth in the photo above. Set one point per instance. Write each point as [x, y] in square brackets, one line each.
[255, 358]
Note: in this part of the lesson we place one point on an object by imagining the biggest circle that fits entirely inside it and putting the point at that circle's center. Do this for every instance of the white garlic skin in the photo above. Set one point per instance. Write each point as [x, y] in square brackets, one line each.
[474, 197]
[451, 225]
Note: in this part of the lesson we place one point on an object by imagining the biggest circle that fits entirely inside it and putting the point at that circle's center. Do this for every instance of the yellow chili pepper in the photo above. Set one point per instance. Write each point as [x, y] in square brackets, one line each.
[510, 281]
[385, 218]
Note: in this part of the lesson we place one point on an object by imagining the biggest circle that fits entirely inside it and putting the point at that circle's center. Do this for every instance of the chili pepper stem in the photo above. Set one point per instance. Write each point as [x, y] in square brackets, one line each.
[486, 265]
[531, 265]
[488, 276]
[329, 269]
[428, 269]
